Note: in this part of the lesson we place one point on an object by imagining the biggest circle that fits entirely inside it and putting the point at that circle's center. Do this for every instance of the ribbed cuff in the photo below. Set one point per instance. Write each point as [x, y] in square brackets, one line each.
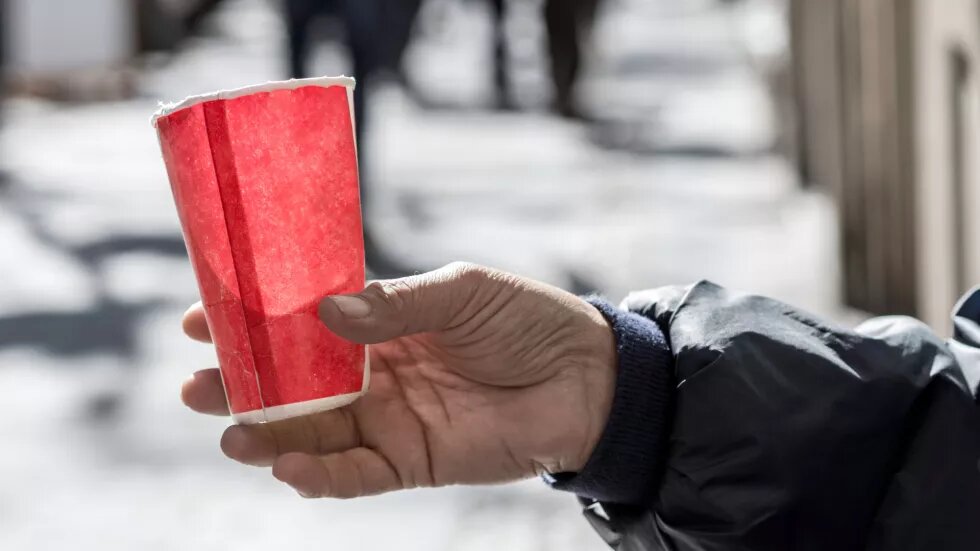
[626, 463]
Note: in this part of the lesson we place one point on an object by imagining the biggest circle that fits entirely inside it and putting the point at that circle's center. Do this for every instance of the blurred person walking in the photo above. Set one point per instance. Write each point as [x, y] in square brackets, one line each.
[503, 94]
[3, 73]
[376, 33]
[361, 23]
[568, 24]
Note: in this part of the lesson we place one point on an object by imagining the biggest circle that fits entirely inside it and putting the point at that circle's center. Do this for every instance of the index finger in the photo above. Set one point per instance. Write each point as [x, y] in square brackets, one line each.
[195, 326]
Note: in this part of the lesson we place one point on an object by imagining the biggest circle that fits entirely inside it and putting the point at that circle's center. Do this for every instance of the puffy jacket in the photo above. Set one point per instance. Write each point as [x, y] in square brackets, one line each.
[766, 428]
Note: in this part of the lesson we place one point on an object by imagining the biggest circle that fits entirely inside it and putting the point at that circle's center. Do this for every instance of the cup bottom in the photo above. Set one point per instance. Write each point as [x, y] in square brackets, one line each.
[297, 409]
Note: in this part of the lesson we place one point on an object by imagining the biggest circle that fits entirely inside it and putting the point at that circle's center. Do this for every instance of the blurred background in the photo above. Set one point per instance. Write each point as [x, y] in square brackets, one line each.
[820, 152]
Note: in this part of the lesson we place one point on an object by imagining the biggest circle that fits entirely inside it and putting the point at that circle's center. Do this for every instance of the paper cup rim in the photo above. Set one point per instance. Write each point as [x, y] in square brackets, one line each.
[291, 84]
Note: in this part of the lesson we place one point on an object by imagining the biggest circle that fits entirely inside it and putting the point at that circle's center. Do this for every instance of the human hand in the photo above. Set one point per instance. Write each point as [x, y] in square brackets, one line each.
[478, 376]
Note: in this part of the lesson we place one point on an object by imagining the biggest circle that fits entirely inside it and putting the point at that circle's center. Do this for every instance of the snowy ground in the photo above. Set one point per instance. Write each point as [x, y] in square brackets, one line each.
[673, 184]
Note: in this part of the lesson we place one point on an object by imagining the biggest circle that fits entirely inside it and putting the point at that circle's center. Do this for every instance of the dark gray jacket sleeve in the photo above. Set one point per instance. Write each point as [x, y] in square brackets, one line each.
[786, 432]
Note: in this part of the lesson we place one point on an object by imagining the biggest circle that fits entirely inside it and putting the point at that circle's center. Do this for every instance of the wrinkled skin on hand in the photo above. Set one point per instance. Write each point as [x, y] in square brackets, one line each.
[478, 376]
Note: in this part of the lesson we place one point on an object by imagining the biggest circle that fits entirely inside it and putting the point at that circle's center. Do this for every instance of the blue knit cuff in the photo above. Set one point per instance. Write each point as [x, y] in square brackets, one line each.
[626, 464]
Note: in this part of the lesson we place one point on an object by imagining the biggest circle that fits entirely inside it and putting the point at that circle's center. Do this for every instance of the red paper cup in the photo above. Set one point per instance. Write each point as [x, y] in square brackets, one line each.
[265, 182]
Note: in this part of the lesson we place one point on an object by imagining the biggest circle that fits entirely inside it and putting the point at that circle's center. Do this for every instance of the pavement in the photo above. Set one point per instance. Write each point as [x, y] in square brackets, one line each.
[675, 181]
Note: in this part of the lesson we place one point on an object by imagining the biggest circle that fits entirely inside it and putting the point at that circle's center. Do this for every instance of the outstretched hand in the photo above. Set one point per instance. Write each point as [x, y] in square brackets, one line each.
[478, 376]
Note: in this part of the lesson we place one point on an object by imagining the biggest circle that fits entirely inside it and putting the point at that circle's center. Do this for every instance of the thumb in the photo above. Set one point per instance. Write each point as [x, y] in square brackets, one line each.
[394, 308]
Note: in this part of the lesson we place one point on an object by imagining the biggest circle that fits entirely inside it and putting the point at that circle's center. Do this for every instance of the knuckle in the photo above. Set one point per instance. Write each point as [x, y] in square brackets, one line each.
[375, 289]
[398, 293]
[466, 272]
[394, 294]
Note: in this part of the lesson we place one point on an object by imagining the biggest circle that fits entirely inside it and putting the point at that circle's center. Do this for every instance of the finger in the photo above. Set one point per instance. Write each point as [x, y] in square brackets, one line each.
[204, 393]
[394, 308]
[354, 473]
[195, 326]
[323, 433]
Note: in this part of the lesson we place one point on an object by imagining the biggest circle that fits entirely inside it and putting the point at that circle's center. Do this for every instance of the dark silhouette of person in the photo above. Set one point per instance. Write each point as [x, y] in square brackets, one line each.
[568, 23]
[377, 33]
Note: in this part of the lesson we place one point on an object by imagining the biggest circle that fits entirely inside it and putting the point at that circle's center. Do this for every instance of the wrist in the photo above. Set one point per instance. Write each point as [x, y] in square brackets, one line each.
[598, 373]
[625, 464]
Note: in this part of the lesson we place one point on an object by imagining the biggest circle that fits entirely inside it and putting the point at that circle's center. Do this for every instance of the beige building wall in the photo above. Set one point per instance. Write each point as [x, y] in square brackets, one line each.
[888, 110]
[947, 100]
